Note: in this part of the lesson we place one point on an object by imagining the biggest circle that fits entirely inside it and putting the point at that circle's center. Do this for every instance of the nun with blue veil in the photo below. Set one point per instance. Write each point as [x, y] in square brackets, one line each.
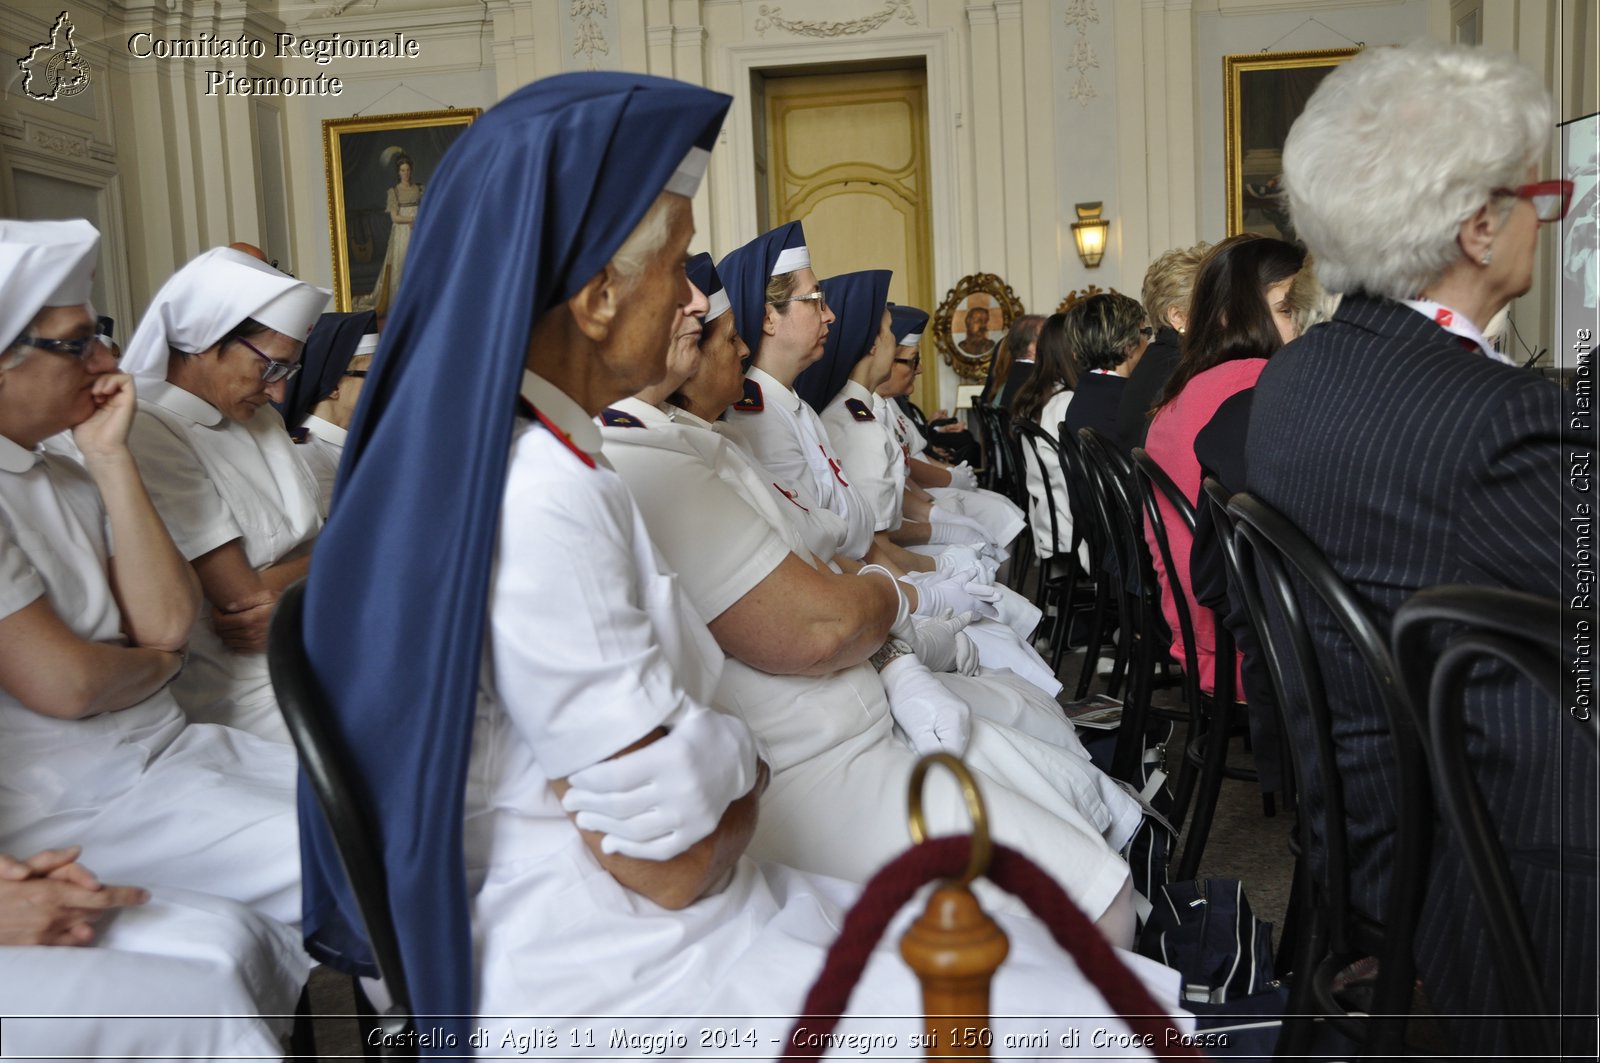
[528, 707]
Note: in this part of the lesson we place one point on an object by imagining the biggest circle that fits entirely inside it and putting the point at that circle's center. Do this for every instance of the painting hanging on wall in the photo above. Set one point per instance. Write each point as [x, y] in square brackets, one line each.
[1263, 93]
[972, 320]
[378, 168]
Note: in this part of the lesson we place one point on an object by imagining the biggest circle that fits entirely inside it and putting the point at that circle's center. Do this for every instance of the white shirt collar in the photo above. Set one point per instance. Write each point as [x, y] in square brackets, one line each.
[853, 390]
[680, 415]
[1457, 324]
[15, 458]
[772, 387]
[180, 402]
[564, 413]
[326, 430]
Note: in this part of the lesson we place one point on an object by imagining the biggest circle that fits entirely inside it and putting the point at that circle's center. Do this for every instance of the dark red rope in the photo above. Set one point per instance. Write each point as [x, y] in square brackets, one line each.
[946, 858]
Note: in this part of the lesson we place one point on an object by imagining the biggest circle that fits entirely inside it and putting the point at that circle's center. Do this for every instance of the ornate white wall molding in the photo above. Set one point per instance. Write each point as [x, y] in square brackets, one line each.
[588, 32]
[1080, 15]
[771, 15]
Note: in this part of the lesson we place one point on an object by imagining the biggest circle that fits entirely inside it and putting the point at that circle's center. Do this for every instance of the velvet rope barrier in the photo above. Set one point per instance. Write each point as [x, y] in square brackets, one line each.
[947, 858]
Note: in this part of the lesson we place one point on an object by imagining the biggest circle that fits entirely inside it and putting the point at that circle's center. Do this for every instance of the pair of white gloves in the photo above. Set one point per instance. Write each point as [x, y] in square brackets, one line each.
[659, 800]
[932, 718]
[962, 478]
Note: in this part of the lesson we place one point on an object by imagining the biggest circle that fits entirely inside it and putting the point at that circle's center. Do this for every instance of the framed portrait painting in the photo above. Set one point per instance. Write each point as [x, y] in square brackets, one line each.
[378, 168]
[1263, 93]
[972, 320]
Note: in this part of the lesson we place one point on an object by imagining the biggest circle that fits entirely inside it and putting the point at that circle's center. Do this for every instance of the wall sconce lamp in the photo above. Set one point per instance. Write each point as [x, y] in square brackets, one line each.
[1089, 233]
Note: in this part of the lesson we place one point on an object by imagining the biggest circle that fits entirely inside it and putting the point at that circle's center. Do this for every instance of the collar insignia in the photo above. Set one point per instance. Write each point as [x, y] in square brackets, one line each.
[858, 409]
[618, 419]
[752, 401]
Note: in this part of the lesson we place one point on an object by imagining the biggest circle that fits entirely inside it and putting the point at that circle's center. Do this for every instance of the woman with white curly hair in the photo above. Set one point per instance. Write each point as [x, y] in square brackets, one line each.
[1414, 454]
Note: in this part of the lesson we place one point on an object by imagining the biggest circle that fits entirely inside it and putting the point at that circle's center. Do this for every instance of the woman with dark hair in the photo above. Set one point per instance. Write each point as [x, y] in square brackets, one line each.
[1108, 335]
[1012, 361]
[1044, 400]
[1238, 316]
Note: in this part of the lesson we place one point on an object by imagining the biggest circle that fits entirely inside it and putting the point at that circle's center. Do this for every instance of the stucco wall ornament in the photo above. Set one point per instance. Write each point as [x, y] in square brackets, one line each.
[771, 15]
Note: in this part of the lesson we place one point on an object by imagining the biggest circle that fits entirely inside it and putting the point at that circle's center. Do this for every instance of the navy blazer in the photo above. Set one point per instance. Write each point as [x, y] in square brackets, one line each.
[1413, 462]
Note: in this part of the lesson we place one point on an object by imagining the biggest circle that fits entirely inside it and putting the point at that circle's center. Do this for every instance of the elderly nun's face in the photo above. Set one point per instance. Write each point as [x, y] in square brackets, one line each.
[48, 392]
[652, 309]
[230, 375]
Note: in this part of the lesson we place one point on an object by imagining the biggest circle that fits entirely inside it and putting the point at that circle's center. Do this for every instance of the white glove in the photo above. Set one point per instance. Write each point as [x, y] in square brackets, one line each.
[962, 478]
[954, 528]
[657, 801]
[960, 560]
[939, 595]
[932, 718]
[941, 644]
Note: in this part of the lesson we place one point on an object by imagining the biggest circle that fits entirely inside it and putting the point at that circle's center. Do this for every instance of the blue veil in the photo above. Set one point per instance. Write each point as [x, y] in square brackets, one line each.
[529, 204]
[857, 301]
[745, 272]
[906, 321]
[329, 348]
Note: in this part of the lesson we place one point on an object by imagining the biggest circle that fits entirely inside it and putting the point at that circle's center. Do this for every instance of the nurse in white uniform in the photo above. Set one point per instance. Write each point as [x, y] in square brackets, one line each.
[607, 804]
[219, 341]
[827, 724]
[94, 753]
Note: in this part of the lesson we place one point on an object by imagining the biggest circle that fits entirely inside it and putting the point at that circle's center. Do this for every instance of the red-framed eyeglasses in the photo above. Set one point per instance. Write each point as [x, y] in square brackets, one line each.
[1551, 199]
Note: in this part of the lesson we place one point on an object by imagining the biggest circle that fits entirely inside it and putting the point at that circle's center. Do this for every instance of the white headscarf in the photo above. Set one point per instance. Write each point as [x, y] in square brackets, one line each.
[43, 263]
[201, 302]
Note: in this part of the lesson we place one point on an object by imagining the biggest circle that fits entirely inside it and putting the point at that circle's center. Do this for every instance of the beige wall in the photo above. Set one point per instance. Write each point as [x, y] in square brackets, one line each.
[1033, 105]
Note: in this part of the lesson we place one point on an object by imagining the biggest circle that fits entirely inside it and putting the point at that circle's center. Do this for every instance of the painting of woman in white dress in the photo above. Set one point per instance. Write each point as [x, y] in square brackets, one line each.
[404, 199]
[378, 167]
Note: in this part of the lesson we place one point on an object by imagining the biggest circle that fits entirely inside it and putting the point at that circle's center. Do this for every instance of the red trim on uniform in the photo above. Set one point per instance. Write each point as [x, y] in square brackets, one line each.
[555, 430]
[791, 497]
[838, 474]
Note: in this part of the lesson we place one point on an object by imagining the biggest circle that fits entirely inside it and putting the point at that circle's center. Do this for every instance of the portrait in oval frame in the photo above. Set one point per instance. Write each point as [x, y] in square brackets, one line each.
[971, 321]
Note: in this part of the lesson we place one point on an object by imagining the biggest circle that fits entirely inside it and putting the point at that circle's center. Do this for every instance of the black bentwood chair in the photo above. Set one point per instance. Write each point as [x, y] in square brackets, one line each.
[1524, 631]
[1060, 574]
[306, 712]
[1142, 635]
[1281, 572]
[1214, 718]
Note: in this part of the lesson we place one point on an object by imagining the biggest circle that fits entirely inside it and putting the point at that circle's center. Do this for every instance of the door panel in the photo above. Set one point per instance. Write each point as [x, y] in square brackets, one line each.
[848, 155]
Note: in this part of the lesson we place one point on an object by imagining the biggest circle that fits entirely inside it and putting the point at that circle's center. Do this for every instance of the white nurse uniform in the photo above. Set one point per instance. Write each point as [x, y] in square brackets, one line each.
[834, 753]
[186, 976]
[590, 646]
[214, 480]
[153, 800]
[787, 437]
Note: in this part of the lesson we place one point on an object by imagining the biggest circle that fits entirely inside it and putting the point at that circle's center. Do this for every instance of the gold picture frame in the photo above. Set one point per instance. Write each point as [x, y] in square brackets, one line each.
[1262, 94]
[977, 291]
[361, 158]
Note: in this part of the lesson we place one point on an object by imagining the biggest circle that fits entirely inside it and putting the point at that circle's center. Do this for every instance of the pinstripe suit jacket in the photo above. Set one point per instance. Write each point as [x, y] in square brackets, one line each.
[1412, 462]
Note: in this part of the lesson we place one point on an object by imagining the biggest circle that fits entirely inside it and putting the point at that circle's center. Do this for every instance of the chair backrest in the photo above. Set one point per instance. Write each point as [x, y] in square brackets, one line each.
[1036, 441]
[306, 712]
[991, 422]
[1524, 631]
[1113, 474]
[1152, 481]
[1271, 549]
